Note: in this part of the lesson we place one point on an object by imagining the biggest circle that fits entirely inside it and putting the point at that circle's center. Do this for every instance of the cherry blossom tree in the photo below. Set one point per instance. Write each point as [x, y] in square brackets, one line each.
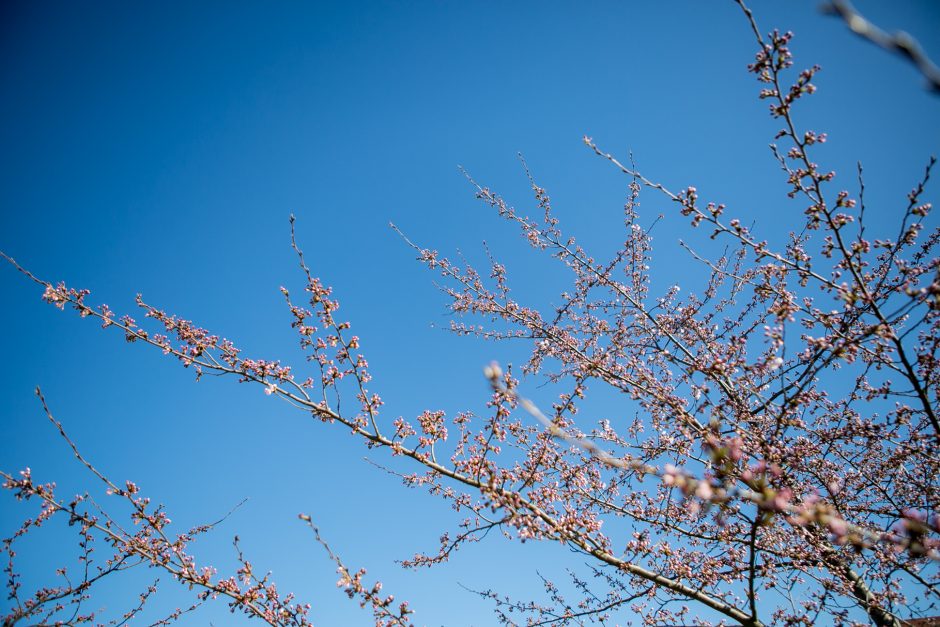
[776, 462]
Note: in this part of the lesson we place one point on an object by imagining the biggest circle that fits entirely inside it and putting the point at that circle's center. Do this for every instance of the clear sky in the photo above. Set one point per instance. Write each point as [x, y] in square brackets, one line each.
[159, 148]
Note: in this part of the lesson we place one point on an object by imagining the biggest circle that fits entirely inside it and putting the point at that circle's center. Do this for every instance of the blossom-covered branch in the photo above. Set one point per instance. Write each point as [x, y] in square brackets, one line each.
[149, 544]
[771, 451]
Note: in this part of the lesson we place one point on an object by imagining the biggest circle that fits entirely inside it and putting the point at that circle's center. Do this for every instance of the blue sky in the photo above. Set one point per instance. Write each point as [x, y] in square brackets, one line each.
[160, 149]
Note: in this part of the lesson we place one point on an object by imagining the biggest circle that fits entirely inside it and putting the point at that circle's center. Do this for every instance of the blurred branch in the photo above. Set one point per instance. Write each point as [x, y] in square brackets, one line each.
[899, 42]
